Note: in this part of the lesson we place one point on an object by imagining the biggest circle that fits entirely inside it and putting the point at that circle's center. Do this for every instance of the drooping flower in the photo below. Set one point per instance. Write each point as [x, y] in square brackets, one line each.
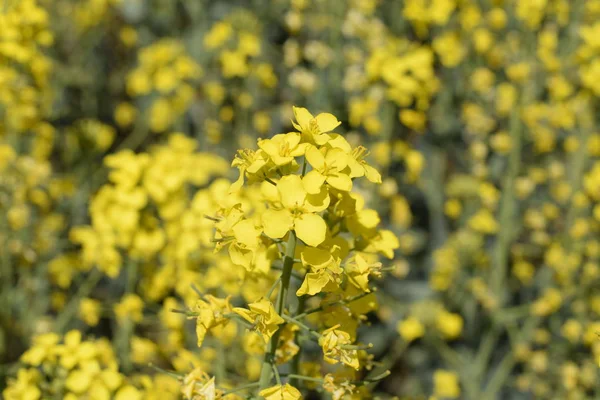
[324, 268]
[262, 314]
[333, 342]
[210, 314]
[281, 392]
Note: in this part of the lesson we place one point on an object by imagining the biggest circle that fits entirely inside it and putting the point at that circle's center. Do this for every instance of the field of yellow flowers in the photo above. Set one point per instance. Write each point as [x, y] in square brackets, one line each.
[299, 199]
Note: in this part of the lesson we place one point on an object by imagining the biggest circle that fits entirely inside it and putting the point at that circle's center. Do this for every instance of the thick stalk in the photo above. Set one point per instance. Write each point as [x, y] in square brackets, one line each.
[288, 264]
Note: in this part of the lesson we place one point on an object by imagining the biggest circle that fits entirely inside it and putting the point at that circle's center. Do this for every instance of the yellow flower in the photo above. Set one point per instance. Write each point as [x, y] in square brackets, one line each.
[75, 351]
[233, 63]
[281, 392]
[218, 34]
[410, 329]
[283, 148]
[128, 392]
[358, 272]
[210, 314]
[324, 269]
[130, 307]
[241, 234]
[25, 387]
[248, 162]
[314, 129]
[446, 384]
[198, 385]
[287, 348]
[44, 348]
[359, 166]
[328, 166]
[264, 317]
[298, 212]
[340, 387]
[449, 324]
[333, 342]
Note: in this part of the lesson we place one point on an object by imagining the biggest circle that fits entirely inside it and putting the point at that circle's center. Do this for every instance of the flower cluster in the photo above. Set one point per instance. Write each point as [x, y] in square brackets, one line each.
[316, 235]
[167, 72]
[71, 368]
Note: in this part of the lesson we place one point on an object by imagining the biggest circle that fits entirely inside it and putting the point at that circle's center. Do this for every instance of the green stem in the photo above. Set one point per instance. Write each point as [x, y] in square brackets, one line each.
[294, 321]
[65, 317]
[508, 211]
[298, 357]
[272, 289]
[337, 303]
[286, 274]
[240, 388]
[304, 378]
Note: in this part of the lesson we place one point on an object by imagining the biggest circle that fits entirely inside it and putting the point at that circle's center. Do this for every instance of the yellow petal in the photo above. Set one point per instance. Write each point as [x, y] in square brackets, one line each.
[242, 312]
[281, 392]
[302, 116]
[327, 122]
[311, 229]
[241, 257]
[313, 283]
[317, 258]
[246, 233]
[372, 174]
[313, 181]
[356, 169]
[368, 218]
[336, 158]
[262, 306]
[315, 158]
[292, 139]
[340, 182]
[291, 191]
[237, 185]
[321, 138]
[317, 202]
[268, 146]
[339, 142]
[276, 223]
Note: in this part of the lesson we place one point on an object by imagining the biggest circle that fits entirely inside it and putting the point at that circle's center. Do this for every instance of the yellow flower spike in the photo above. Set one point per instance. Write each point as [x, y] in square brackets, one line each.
[314, 129]
[298, 213]
[264, 317]
[281, 392]
[327, 167]
[283, 148]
